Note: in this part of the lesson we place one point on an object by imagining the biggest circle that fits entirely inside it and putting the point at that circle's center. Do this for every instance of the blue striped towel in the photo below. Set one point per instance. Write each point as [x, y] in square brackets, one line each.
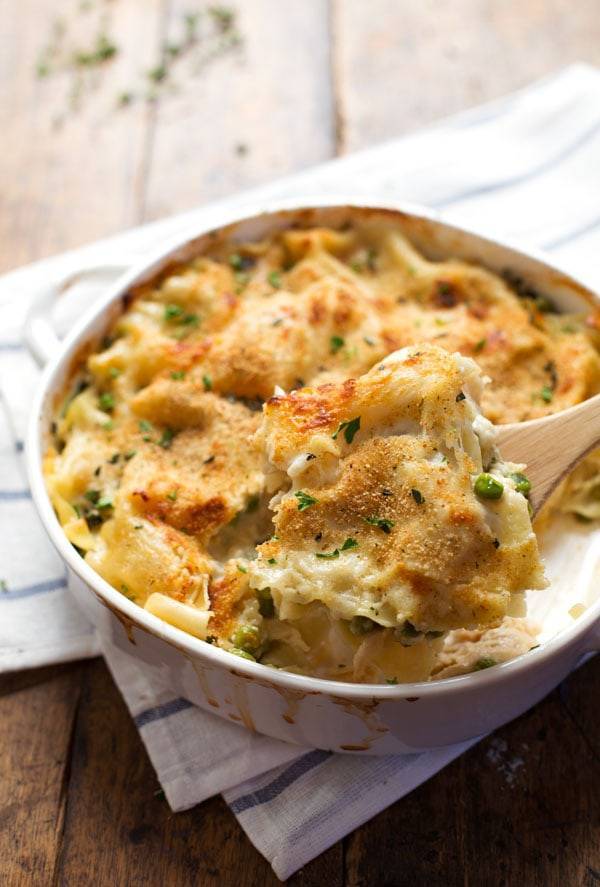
[526, 167]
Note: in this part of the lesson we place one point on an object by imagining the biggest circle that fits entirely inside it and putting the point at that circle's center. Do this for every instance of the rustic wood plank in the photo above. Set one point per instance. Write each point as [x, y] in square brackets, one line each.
[252, 114]
[119, 830]
[398, 66]
[522, 807]
[69, 175]
[37, 714]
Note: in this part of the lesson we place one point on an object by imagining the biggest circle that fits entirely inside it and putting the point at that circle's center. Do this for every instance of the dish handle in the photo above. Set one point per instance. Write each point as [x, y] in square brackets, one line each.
[39, 333]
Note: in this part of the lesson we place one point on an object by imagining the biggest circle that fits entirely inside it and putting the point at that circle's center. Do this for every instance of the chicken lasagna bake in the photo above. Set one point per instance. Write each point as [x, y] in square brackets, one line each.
[285, 448]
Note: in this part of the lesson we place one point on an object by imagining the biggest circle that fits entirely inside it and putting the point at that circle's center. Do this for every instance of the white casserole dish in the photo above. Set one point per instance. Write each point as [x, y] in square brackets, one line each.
[344, 717]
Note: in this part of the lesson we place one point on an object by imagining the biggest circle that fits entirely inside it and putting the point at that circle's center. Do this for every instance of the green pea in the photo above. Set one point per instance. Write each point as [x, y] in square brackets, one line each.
[246, 637]
[243, 654]
[522, 483]
[487, 487]
[266, 607]
[407, 634]
[361, 625]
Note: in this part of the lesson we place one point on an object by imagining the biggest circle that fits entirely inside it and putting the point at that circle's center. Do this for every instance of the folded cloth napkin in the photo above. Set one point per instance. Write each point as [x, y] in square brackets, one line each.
[526, 167]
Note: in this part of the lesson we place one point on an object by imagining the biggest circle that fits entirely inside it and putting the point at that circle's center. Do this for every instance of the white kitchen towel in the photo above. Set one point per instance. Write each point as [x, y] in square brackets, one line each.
[526, 167]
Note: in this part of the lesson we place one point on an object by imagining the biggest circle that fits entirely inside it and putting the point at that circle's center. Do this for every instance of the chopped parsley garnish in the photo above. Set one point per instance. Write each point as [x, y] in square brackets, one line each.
[391, 680]
[335, 343]
[241, 569]
[190, 319]
[107, 402]
[104, 502]
[546, 394]
[349, 428]
[304, 500]
[417, 496]
[487, 487]
[166, 438]
[381, 522]
[158, 73]
[177, 375]
[108, 426]
[172, 495]
[130, 455]
[479, 346]
[114, 372]
[173, 312]
[460, 396]
[272, 560]
[349, 543]
[92, 496]
[484, 662]
[114, 458]
[145, 426]
[207, 382]
[328, 555]
[274, 279]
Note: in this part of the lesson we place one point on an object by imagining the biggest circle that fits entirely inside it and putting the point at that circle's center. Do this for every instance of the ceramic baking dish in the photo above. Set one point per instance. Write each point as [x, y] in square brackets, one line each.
[345, 717]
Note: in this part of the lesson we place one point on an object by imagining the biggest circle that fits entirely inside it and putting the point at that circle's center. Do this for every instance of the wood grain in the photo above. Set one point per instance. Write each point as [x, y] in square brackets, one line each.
[37, 714]
[113, 793]
[552, 446]
[520, 808]
[398, 66]
[270, 99]
[68, 175]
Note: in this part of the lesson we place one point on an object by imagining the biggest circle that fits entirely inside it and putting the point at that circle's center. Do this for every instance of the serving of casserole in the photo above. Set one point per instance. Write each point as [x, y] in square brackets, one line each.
[242, 456]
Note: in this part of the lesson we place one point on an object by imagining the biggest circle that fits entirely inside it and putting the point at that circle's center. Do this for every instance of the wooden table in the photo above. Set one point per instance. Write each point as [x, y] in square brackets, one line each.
[312, 79]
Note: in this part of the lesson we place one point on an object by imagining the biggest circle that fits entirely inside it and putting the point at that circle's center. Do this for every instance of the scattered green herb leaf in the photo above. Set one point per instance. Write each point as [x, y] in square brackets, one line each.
[335, 343]
[381, 522]
[304, 500]
[349, 428]
[348, 544]
[107, 402]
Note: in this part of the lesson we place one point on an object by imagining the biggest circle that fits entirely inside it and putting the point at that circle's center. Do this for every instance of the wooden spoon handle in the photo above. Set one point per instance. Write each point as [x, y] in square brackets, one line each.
[551, 447]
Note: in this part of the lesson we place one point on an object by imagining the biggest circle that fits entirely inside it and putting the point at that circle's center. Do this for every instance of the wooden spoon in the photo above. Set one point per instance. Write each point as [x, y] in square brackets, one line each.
[552, 446]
